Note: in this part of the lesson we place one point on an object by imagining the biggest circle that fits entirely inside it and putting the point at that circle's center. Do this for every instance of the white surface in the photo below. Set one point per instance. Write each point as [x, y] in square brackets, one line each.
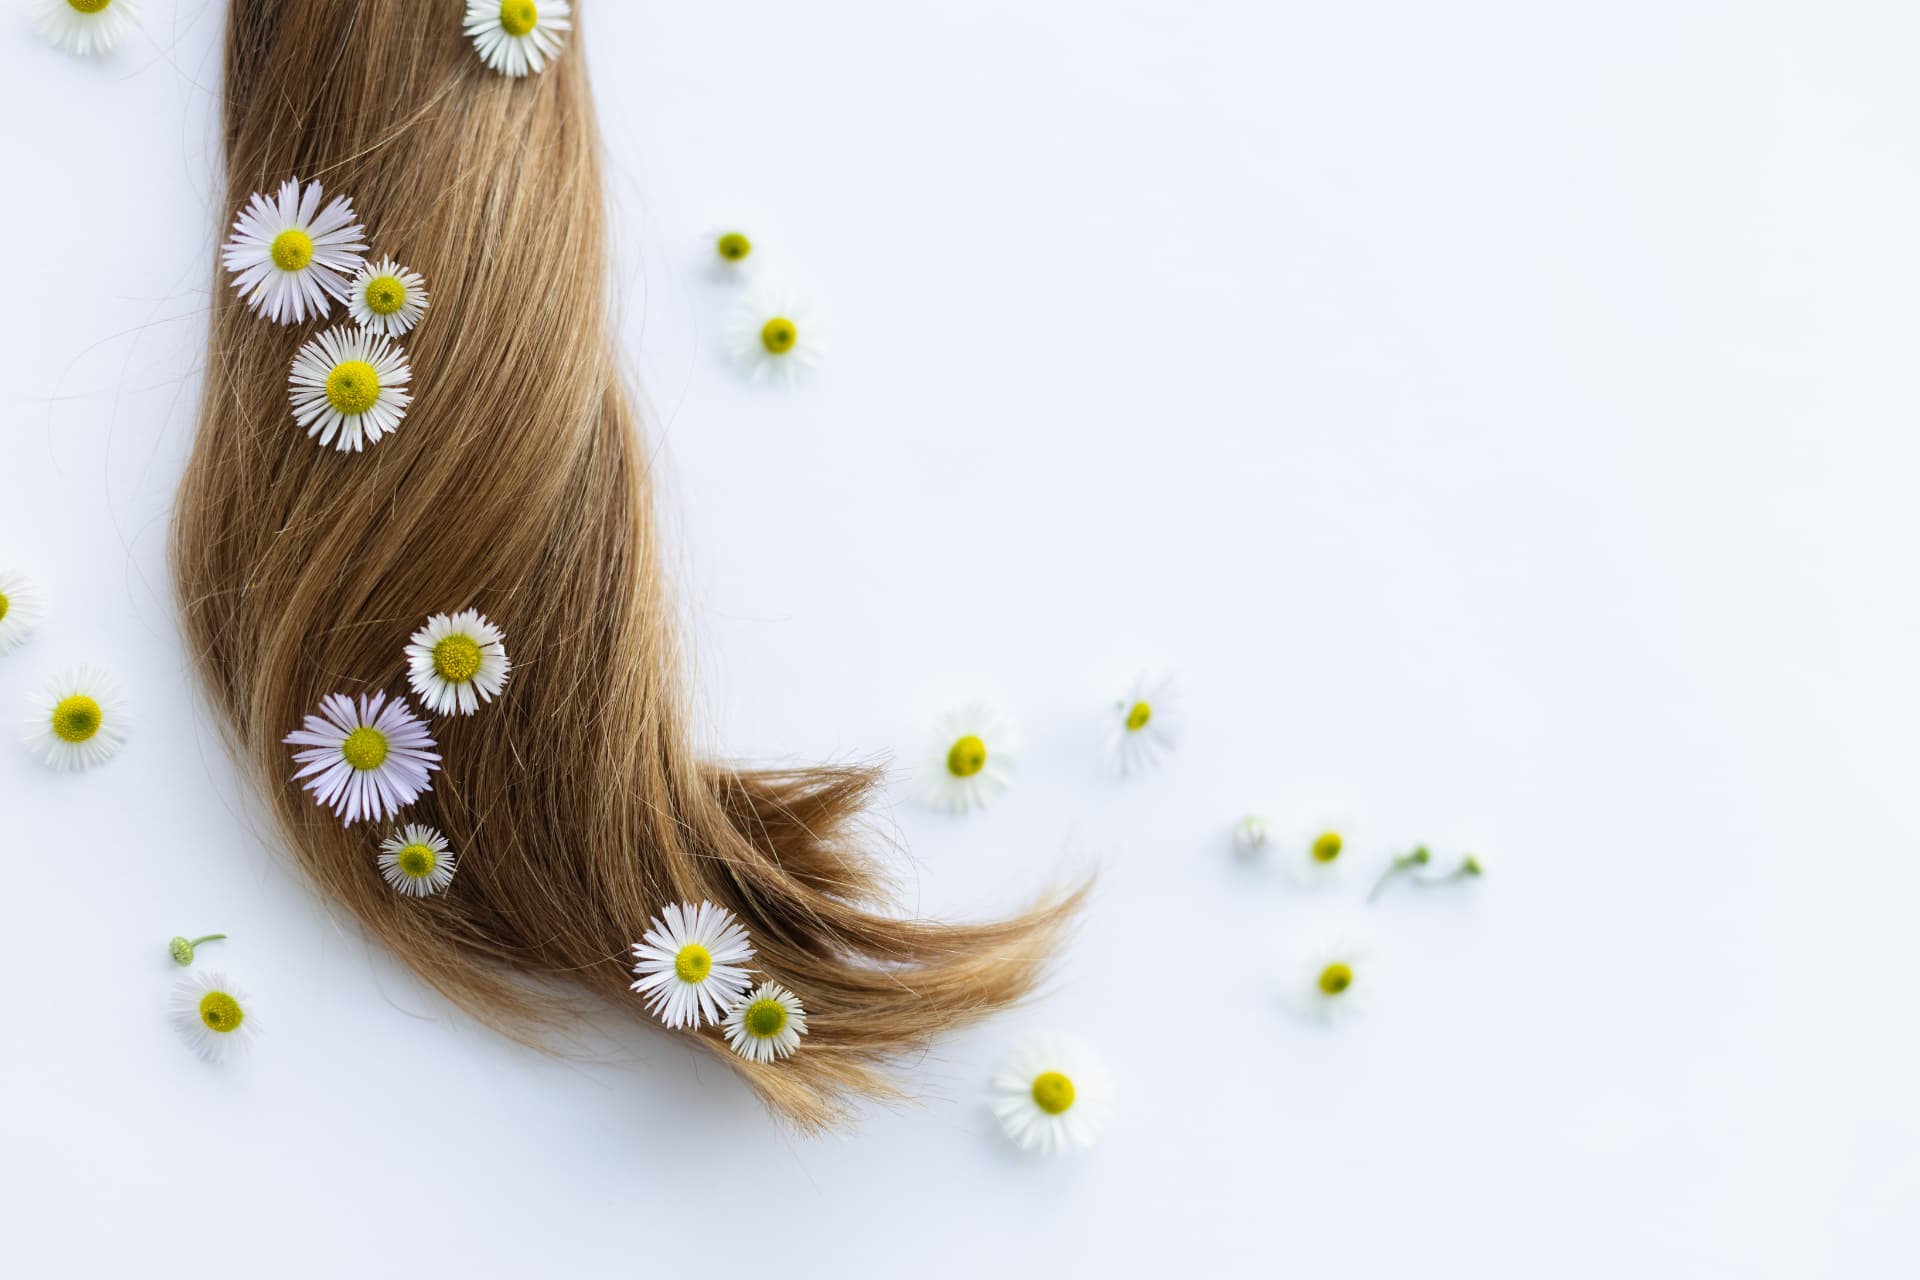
[1501, 414]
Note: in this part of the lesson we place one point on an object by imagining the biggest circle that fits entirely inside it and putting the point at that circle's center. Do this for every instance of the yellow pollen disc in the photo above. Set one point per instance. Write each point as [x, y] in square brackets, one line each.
[88, 6]
[4, 606]
[733, 246]
[1137, 716]
[221, 1012]
[1335, 978]
[778, 335]
[292, 249]
[365, 748]
[456, 658]
[518, 17]
[765, 1019]
[77, 718]
[353, 386]
[1052, 1092]
[385, 295]
[693, 963]
[417, 860]
[1326, 847]
[967, 757]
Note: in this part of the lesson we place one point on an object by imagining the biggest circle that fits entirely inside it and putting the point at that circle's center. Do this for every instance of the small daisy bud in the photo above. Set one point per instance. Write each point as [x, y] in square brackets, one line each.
[1250, 836]
[181, 949]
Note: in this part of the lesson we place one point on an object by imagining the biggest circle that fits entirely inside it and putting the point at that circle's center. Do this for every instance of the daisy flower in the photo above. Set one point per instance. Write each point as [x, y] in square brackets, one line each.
[289, 256]
[767, 1025]
[416, 860]
[691, 964]
[1251, 836]
[1145, 726]
[1333, 979]
[456, 663]
[517, 36]
[386, 298]
[969, 759]
[1317, 854]
[78, 719]
[86, 27]
[349, 383]
[773, 340]
[213, 1016]
[365, 761]
[1052, 1094]
[20, 610]
[732, 253]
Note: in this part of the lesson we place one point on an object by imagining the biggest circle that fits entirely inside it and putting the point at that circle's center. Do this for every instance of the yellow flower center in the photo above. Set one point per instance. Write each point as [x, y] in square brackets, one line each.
[734, 247]
[292, 249]
[353, 386]
[519, 16]
[1052, 1092]
[1335, 978]
[778, 335]
[385, 295]
[77, 718]
[365, 748]
[221, 1012]
[417, 860]
[967, 757]
[88, 6]
[765, 1019]
[457, 658]
[4, 606]
[693, 963]
[1137, 716]
[1327, 846]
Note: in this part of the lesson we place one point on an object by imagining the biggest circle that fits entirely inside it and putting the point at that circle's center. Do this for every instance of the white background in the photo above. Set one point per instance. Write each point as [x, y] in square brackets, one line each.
[1500, 416]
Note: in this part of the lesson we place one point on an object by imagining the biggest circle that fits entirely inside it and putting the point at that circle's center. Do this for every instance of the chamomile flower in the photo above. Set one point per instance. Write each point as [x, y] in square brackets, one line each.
[969, 759]
[367, 760]
[766, 1025]
[1052, 1094]
[20, 609]
[78, 719]
[1318, 853]
[732, 253]
[774, 340]
[1145, 725]
[86, 27]
[1333, 978]
[386, 298]
[1251, 836]
[456, 663]
[517, 36]
[691, 964]
[416, 860]
[290, 258]
[349, 387]
[213, 1016]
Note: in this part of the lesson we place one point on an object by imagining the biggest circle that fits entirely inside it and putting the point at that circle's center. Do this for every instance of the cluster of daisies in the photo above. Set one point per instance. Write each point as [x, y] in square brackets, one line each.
[692, 968]
[771, 336]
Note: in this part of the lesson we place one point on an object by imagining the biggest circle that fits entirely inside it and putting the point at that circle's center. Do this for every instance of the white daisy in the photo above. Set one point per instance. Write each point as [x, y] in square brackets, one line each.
[213, 1016]
[774, 340]
[78, 719]
[518, 36]
[1333, 978]
[1251, 836]
[20, 609]
[732, 253]
[1145, 725]
[766, 1025]
[86, 27]
[969, 759]
[456, 663]
[1318, 853]
[1051, 1094]
[386, 298]
[364, 762]
[349, 383]
[691, 964]
[289, 256]
[416, 860]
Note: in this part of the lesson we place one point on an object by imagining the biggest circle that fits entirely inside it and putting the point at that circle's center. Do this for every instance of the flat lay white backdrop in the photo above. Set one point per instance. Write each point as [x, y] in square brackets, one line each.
[1499, 415]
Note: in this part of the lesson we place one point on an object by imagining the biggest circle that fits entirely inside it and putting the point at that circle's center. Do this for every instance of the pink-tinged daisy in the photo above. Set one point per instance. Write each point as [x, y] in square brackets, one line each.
[290, 258]
[366, 762]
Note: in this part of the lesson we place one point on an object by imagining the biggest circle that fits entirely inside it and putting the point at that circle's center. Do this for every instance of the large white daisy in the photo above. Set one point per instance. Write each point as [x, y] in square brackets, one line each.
[290, 257]
[1144, 726]
[365, 761]
[417, 861]
[349, 387]
[86, 27]
[385, 297]
[1052, 1094]
[968, 760]
[78, 719]
[766, 1025]
[691, 964]
[213, 1016]
[456, 663]
[517, 36]
[774, 339]
[20, 609]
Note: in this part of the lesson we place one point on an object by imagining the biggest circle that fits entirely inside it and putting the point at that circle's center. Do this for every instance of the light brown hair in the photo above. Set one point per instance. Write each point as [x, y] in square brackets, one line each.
[517, 484]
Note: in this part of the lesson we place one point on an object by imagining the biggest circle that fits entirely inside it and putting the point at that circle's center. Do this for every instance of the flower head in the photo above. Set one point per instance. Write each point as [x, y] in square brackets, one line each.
[969, 759]
[766, 1025]
[289, 257]
[691, 964]
[181, 948]
[78, 719]
[1052, 1094]
[773, 339]
[732, 250]
[20, 609]
[417, 861]
[364, 761]
[86, 27]
[213, 1016]
[1317, 855]
[456, 663]
[349, 387]
[517, 36]
[1145, 725]
[386, 298]
[1333, 978]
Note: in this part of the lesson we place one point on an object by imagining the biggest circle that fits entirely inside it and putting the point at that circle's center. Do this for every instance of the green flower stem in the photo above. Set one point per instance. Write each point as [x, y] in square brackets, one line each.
[181, 949]
[1403, 864]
